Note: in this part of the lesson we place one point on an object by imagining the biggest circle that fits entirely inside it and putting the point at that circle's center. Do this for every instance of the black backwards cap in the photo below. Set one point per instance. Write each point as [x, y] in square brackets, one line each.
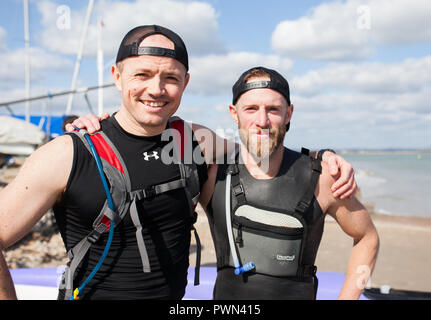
[129, 47]
[277, 82]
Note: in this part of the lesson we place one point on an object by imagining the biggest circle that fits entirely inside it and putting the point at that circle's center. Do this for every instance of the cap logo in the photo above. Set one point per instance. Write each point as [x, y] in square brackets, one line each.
[156, 51]
[257, 85]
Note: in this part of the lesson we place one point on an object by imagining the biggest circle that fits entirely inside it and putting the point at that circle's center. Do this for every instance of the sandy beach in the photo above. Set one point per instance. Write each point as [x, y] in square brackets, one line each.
[404, 260]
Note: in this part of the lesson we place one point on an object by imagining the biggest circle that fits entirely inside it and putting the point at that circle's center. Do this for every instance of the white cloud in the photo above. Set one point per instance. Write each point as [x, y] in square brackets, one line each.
[215, 74]
[401, 22]
[372, 103]
[195, 22]
[409, 75]
[357, 120]
[352, 29]
[364, 105]
[41, 63]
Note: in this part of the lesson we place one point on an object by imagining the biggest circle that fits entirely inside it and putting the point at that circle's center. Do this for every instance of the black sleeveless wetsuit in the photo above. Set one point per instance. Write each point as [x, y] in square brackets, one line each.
[165, 220]
[282, 193]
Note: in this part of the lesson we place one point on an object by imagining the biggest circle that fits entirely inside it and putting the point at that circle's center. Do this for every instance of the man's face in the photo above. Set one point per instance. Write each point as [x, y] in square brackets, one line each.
[262, 115]
[151, 86]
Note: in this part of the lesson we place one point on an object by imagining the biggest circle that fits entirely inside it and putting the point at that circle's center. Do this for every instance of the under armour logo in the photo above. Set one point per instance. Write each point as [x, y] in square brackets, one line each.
[147, 156]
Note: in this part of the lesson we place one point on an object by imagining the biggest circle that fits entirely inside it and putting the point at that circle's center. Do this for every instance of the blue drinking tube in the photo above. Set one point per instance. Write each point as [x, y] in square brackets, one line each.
[112, 225]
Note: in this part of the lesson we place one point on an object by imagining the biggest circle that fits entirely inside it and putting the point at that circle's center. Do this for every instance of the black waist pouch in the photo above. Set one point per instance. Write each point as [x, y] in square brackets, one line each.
[274, 246]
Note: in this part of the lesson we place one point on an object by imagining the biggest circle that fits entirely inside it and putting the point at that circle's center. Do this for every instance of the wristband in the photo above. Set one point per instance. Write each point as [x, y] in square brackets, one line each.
[305, 151]
[322, 151]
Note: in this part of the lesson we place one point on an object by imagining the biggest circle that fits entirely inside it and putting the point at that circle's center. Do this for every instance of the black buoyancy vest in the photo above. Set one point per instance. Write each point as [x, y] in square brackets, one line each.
[274, 249]
[125, 199]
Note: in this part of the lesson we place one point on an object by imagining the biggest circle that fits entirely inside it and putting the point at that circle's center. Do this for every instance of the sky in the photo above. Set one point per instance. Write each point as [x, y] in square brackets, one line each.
[359, 70]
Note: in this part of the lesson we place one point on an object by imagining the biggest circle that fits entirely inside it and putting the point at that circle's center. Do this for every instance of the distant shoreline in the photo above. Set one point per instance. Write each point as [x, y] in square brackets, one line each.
[422, 221]
[385, 151]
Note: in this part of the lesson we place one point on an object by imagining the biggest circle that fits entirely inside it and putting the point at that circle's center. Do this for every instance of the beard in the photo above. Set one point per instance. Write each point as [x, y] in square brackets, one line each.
[262, 148]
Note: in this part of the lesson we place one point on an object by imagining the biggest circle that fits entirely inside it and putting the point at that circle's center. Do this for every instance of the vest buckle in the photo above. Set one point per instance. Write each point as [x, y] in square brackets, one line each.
[149, 192]
[302, 206]
[237, 190]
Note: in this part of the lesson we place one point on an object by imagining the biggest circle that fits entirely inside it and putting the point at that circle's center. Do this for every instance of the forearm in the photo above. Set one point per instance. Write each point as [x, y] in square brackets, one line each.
[360, 266]
[212, 145]
[7, 289]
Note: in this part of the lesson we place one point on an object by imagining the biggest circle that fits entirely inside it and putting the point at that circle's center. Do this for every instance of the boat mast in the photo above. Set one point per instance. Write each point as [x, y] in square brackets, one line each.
[79, 56]
[27, 60]
[100, 67]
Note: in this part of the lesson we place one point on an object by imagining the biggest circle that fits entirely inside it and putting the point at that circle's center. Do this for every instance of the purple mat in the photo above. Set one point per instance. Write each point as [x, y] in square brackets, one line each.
[330, 283]
[49, 277]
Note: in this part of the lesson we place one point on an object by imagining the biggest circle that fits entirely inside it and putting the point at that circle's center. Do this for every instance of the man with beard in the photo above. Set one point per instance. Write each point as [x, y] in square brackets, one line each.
[267, 205]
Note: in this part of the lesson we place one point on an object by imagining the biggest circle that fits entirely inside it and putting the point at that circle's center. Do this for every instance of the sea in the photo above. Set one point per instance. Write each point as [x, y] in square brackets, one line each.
[396, 183]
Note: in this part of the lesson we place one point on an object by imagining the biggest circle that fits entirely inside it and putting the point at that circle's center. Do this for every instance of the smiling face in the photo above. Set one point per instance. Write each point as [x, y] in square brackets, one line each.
[151, 87]
[262, 115]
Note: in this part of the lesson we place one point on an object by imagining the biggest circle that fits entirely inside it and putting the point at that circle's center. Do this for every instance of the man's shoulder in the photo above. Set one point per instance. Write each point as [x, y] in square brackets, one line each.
[109, 124]
[63, 144]
[292, 154]
[53, 161]
[58, 150]
[294, 160]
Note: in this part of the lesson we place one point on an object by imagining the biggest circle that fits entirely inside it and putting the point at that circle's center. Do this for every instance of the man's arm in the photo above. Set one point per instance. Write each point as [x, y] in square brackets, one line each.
[212, 145]
[215, 147]
[355, 221]
[38, 185]
[208, 187]
[7, 289]
[345, 186]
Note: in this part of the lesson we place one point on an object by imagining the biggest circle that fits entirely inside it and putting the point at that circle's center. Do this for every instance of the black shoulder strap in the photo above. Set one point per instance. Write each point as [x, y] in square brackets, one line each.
[184, 153]
[307, 198]
[189, 173]
[237, 187]
[305, 151]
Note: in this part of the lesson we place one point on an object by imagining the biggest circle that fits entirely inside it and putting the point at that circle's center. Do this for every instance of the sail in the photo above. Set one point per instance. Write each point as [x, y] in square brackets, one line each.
[18, 137]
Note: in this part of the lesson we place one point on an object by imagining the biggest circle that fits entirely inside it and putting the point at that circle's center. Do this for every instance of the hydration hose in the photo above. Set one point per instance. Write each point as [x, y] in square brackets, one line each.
[77, 291]
[238, 268]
